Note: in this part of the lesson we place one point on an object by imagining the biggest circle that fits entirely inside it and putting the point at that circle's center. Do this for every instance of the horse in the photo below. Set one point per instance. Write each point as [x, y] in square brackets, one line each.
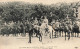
[46, 29]
[37, 32]
[43, 28]
[34, 29]
[76, 29]
[40, 30]
[61, 29]
[56, 27]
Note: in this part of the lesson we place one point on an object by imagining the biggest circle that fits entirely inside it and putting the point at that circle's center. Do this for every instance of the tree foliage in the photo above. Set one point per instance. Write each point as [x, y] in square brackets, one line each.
[17, 11]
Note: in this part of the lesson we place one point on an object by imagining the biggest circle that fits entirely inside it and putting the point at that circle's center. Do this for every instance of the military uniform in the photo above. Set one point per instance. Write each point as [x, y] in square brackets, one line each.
[35, 21]
[45, 21]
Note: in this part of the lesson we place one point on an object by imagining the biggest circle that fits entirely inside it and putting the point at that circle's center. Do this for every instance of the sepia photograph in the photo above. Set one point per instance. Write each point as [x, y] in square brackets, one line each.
[39, 24]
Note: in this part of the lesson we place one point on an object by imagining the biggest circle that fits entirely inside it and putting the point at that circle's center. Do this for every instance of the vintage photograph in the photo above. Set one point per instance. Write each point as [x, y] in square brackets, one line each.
[40, 24]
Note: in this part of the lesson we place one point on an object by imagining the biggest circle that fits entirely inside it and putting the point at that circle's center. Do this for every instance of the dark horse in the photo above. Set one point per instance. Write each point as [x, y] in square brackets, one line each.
[34, 31]
[76, 30]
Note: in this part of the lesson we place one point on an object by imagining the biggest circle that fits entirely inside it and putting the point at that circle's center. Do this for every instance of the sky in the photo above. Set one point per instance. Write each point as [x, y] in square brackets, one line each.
[48, 2]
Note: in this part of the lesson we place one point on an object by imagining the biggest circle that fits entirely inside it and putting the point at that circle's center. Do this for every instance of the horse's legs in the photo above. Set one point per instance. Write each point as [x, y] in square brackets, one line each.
[68, 35]
[58, 33]
[65, 35]
[52, 33]
[40, 37]
[77, 34]
[55, 34]
[36, 34]
[50, 36]
[71, 34]
[30, 38]
[62, 33]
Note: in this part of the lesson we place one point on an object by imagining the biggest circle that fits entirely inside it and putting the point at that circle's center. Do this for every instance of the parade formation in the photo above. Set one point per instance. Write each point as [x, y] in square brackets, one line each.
[48, 23]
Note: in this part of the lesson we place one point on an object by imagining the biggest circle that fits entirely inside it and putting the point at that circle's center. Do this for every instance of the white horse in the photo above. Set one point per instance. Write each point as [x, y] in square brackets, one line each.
[43, 31]
[49, 28]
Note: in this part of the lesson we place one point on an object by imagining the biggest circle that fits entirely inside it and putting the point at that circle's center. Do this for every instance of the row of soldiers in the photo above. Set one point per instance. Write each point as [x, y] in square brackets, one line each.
[45, 21]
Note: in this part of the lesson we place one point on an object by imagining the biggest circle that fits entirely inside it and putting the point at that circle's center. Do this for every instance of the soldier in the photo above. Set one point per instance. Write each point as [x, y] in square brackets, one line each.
[45, 21]
[35, 21]
[57, 24]
[45, 24]
[56, 27]
[27, 25]
[78, 27]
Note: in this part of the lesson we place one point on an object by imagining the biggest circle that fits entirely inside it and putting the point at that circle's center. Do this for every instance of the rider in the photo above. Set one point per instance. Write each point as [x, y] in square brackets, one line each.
[35, 24]
[57, 24]
[45, 21]
[35, 21]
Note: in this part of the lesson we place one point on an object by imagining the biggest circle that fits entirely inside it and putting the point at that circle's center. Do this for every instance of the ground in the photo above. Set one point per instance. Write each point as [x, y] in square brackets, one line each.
[47, 43]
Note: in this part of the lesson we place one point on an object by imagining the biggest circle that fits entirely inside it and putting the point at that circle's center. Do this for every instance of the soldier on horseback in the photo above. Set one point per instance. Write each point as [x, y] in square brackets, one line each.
[35, 21]
[34, 30]
[56, 27]
[76, 28]
[45, 23]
